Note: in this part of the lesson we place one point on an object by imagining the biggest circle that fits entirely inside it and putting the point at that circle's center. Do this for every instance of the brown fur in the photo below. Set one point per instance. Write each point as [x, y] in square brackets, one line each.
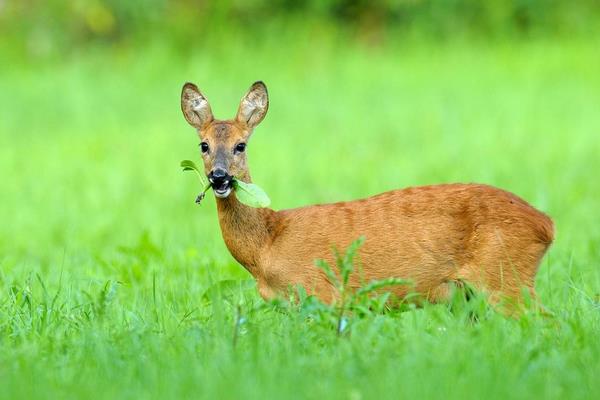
[433, 235]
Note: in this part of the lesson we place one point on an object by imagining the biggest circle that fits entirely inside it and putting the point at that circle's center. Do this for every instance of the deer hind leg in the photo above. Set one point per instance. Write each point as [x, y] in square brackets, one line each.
[445, 291]
[456, 294]
[507, 276]
[465, 288]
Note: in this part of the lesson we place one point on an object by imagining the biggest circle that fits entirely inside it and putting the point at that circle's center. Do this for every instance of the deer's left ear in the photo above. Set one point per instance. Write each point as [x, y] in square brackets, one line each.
[254, 105]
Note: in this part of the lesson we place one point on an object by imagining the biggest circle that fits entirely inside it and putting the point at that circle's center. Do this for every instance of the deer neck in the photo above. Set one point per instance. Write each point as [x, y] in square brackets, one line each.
[246, 230]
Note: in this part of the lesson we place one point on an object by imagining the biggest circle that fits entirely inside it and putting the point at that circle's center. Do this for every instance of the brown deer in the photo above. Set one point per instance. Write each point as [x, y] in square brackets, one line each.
[436, 236]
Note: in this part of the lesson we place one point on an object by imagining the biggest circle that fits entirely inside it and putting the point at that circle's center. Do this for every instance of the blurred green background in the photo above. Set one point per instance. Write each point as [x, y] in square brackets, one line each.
[105, 259]
[53, 27]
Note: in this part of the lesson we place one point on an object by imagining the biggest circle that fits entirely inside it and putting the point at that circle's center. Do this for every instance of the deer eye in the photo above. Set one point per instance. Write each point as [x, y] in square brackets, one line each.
[204, 147]
[240, 147]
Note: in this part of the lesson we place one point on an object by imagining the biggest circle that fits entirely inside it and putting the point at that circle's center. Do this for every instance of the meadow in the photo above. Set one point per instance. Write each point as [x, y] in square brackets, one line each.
[114, 284]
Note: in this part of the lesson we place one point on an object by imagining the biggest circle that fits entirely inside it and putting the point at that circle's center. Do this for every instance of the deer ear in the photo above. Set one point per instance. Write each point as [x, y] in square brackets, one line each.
[254, 105]
[195, 107]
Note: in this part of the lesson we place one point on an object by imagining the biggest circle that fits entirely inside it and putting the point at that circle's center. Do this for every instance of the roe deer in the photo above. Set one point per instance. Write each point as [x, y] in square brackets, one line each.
[436, 236]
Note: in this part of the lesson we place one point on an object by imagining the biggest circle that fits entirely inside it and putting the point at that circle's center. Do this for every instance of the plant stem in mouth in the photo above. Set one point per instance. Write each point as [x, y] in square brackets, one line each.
[201, 195]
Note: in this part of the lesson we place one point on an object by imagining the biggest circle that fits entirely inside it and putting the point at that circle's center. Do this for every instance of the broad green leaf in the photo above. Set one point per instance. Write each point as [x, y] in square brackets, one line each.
[189, 165]
[250, 194]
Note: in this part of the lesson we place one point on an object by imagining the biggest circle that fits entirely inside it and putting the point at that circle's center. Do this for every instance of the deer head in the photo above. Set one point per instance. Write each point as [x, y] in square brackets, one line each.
[223, 142]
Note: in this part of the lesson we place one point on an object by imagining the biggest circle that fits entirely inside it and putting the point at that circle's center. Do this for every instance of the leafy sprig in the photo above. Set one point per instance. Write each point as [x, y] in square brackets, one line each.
[247, 193]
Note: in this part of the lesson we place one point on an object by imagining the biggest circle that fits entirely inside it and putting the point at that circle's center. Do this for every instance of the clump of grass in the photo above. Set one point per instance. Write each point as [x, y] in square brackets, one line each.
[351, 303]
[361, 301]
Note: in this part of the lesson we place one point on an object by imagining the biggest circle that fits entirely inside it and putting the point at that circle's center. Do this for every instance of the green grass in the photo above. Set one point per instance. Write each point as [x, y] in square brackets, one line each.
[107, 265]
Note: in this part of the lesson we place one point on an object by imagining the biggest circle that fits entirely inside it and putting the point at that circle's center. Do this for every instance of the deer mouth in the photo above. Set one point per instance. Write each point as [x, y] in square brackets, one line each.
[221, 182]
[223, 189]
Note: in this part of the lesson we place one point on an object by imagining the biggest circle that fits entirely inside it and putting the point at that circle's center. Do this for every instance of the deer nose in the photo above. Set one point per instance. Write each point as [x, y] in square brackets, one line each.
[218, 176]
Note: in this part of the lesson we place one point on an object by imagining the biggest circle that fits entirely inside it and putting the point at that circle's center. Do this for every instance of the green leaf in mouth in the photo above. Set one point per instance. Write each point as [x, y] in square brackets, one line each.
[189, 165]
[247, 193]
[250, 194]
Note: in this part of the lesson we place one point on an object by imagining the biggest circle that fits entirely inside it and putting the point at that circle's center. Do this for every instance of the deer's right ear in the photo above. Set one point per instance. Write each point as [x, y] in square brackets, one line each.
[195, 107]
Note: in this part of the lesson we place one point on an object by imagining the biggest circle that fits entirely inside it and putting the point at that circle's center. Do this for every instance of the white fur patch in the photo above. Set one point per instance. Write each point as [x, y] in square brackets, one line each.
[198, 103]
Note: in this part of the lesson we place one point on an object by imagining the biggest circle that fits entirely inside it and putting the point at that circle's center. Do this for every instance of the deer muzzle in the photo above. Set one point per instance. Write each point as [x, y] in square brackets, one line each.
[221, 182]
